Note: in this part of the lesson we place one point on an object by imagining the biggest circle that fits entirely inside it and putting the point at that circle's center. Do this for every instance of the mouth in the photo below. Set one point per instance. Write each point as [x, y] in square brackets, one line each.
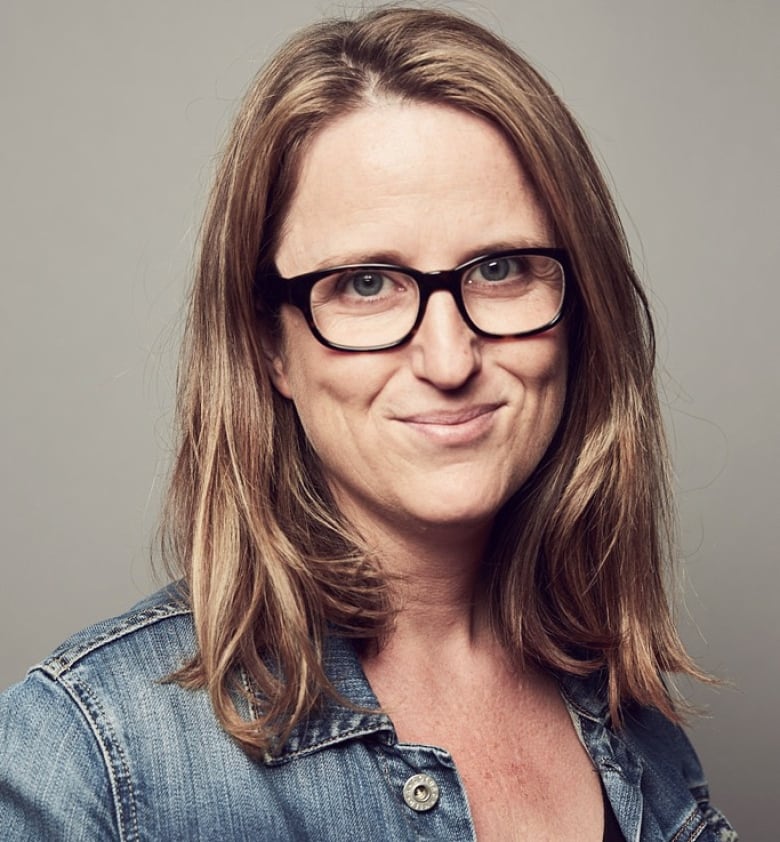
[454, 426]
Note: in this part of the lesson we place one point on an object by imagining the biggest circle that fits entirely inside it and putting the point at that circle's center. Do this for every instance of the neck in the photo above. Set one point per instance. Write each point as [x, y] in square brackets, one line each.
[436, 576]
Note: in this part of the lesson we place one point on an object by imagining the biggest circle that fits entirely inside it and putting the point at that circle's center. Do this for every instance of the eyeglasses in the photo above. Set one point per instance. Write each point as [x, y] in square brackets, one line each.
[375, 306]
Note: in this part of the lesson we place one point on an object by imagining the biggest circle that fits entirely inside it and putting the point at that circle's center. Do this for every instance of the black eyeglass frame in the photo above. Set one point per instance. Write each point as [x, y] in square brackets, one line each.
[296, 291]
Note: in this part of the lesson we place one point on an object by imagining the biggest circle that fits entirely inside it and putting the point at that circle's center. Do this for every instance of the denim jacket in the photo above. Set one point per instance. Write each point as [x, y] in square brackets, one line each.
[94, 746]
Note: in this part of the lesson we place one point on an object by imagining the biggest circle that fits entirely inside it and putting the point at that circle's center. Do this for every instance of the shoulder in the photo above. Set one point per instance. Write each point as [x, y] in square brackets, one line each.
[108, 659]
[645, 743]
[64, 768]
[668, 756]
[648, 761]
[155, 635]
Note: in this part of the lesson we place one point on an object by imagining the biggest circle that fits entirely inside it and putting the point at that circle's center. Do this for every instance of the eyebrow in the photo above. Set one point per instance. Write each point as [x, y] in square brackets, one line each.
[395, 258]
[504, 245]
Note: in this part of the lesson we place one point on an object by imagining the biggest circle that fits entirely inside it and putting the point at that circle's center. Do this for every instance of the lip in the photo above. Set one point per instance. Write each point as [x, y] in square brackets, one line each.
[453, 426]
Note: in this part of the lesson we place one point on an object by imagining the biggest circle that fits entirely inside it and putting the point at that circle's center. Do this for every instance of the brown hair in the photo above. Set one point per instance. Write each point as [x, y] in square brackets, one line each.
[578, 557]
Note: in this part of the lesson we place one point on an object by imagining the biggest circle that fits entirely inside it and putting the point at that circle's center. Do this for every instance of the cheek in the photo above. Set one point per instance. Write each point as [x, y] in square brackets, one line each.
[559, 377]
[326, 386]
[555, 382]
[301, 362]
[542, 365]
[542, 371]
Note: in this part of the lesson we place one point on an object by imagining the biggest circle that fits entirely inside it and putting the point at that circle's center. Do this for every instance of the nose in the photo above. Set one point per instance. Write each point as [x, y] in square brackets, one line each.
[445, 351]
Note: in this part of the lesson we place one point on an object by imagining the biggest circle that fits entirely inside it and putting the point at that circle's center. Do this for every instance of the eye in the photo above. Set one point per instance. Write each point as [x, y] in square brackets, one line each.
[499, 269]
[364, 284]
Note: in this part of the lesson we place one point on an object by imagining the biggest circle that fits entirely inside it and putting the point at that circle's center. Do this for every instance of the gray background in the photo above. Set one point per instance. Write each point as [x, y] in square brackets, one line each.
[111, 116]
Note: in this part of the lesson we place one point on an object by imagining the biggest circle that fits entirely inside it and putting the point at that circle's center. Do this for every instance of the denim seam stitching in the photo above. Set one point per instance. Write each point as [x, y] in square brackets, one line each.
[84, 697]
[312, 747]
[58, 665]
[691, 827]
[251, 695]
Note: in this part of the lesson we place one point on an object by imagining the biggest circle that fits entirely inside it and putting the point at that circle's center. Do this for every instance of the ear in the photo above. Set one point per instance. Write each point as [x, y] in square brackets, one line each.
[275, 364]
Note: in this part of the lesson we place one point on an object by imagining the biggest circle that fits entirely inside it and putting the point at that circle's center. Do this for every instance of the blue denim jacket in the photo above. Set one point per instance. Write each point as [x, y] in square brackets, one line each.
[93, 746]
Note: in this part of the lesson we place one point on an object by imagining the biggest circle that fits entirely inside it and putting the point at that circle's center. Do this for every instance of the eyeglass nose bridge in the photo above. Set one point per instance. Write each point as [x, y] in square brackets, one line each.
[441, 280]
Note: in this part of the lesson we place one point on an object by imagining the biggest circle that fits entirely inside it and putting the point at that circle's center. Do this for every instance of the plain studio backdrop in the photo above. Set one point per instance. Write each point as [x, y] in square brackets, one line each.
[112, 114]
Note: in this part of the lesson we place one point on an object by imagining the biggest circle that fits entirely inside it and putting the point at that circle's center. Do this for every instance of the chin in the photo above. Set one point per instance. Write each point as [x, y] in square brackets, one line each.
[458, 515]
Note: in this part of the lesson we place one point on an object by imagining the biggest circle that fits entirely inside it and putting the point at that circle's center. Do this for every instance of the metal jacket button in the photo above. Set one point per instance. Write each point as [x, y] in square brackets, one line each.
[421, 792]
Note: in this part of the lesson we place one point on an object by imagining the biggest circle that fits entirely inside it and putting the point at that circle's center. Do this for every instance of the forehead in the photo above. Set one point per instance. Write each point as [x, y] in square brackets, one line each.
[407, 182]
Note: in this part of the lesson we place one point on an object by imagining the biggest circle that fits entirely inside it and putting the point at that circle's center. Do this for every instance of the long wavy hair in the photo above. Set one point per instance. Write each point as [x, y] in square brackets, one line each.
[578, 560]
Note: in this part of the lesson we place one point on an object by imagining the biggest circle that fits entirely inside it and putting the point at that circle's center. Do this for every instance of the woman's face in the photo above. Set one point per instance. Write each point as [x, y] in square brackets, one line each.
[441, 431]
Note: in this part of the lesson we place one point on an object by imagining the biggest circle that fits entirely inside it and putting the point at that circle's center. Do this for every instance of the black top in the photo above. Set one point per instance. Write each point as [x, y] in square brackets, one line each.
[612, 832]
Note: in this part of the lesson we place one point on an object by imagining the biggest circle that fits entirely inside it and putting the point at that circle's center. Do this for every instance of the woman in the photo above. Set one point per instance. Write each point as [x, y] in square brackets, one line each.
[419, 508]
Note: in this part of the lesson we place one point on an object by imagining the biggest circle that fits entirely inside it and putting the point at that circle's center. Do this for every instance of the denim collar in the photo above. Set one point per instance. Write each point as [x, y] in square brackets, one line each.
[333, 721]
[587, 695]
[586, 699]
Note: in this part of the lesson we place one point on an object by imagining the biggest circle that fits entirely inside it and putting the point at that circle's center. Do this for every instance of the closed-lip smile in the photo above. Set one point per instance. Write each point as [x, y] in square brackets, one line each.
[450, 417]
[463, 425]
